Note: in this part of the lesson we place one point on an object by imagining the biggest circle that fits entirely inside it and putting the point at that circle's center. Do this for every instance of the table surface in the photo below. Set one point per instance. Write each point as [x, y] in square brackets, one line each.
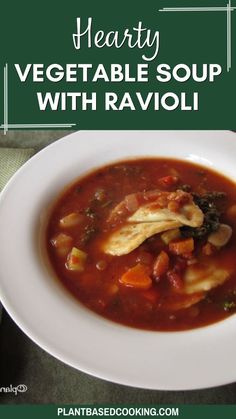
[49, 380]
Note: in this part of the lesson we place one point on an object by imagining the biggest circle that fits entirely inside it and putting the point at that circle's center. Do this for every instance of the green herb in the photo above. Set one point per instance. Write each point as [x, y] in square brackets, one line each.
[207, 204]
[229, 305]
[89, 232]
[185, 188]
[90, 213]
[100, 195]
[106, 204]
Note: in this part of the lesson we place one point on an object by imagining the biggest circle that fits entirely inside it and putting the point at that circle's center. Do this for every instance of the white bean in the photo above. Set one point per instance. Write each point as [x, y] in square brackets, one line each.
[220, 237]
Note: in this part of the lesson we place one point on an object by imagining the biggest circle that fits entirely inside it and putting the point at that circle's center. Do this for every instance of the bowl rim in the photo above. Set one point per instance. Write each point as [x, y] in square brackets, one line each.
[121, 330]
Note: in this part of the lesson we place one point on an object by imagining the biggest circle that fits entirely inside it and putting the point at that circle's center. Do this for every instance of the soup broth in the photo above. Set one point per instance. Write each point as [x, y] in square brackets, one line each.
[149, 243]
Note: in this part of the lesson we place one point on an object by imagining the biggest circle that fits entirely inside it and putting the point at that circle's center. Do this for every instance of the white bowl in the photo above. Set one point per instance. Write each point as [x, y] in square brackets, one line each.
[50, 316]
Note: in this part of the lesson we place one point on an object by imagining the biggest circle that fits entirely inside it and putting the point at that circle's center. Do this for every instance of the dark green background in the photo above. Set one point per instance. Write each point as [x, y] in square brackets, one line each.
[41, 32]
[50, 412]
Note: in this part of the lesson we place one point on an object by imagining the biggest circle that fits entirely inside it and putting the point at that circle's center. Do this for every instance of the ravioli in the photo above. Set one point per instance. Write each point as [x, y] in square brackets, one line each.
[182, 301]
[204, 277]
[152, 218]
[189, 215]
[130, 236]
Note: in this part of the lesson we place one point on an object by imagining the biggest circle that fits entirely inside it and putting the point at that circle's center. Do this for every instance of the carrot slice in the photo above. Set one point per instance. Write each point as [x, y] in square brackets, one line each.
[161, 264]
[137, 277]
[182, 247]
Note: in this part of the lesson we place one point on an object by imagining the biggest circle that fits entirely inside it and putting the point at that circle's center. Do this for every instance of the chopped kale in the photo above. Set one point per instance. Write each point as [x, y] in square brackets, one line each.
[89, 212]
[207, 203]
[185, 188]
[89, 232]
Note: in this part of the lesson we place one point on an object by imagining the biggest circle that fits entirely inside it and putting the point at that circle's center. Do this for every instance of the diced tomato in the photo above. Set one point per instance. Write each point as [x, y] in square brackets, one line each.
[182, 247]
[161, 264]
[118, 213]
[168, 181]
[137, 277]
[175, 281]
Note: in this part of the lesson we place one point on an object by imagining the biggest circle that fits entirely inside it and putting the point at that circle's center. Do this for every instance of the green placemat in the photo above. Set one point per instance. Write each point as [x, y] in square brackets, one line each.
[11, 159]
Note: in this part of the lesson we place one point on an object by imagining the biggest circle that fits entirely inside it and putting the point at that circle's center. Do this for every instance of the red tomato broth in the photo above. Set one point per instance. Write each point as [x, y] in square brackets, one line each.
[101, 290]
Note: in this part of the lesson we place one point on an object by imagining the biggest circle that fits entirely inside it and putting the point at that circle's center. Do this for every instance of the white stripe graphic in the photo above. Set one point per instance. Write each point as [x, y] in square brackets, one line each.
[5, 126]
[5, 97]
[228, 9]
[229, 48]
[197, 9]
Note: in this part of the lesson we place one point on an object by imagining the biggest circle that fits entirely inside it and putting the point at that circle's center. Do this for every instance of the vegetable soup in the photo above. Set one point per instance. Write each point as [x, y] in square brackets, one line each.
[149, 243]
